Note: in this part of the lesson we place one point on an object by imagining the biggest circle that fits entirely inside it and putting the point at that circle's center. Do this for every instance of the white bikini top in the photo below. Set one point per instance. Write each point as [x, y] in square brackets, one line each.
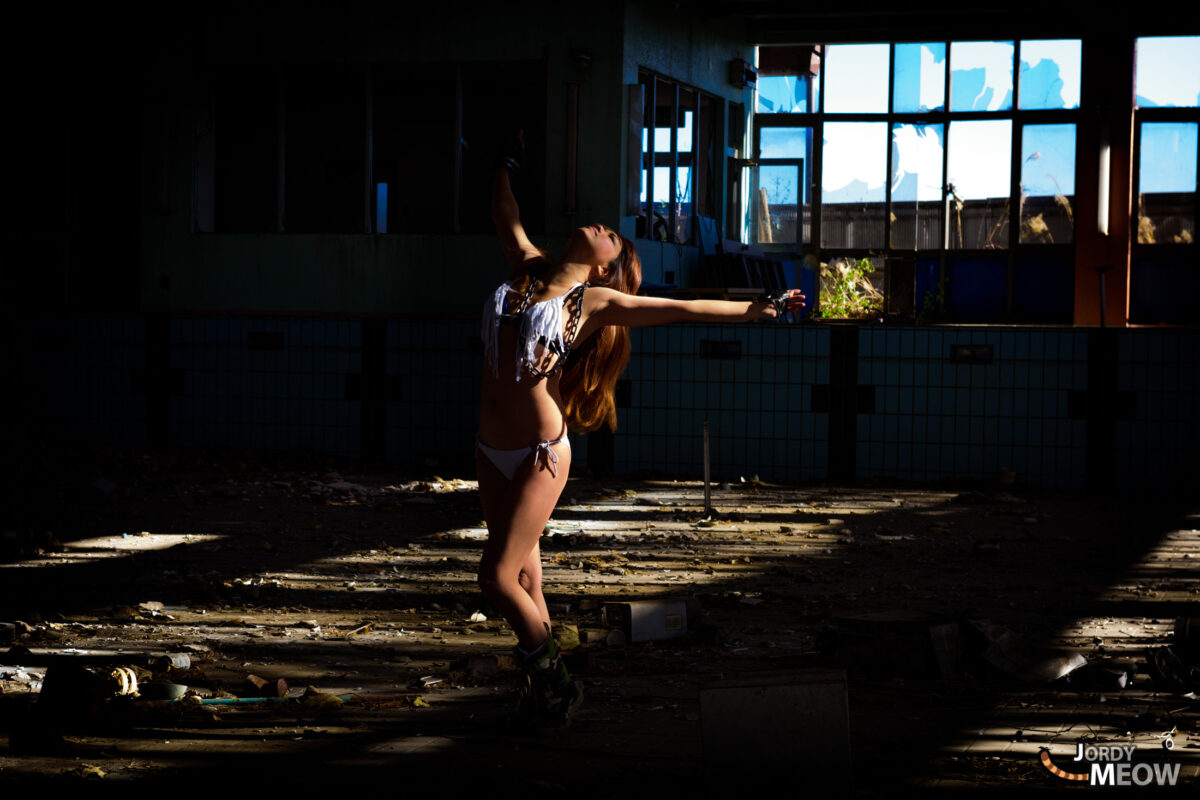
[539, 328]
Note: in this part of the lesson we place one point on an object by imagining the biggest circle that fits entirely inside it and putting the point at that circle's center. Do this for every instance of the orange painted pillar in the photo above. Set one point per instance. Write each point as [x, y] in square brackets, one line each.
[1106, 108]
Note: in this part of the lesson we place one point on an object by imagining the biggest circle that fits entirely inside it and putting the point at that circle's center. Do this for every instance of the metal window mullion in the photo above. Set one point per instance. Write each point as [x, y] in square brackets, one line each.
[1016, 138]
[945, 177]
[673, 162]
[1014, 210]
[1135, 197]
[648, 155]
[887, 177]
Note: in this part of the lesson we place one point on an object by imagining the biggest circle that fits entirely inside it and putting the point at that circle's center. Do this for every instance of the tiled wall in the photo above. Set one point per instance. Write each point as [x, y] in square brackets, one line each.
[783, 402]
[70, 378]
[757, 404]
[265, 383]
[936, 418]
[1158, 439]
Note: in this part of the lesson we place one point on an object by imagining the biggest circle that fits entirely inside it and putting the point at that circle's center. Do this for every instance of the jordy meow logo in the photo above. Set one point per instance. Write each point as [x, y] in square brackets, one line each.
[1112, 765]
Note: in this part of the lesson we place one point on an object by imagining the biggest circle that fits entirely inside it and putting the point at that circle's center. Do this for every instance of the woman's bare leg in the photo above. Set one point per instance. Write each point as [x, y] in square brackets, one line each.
[531, 581]
[517, 512]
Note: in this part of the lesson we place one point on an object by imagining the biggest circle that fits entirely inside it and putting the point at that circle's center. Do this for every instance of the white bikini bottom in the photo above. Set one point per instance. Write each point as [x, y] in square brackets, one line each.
[509, 461]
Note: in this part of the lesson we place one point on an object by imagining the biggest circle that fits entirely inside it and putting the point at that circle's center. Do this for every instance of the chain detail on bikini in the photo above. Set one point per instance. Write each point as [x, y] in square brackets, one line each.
[538, 325]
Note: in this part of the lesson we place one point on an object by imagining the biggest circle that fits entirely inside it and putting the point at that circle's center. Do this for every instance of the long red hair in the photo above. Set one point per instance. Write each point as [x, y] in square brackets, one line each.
[589, 378]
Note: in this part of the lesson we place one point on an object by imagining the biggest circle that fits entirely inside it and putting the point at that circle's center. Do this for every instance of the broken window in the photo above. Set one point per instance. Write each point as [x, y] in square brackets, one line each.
[1167, 91]
[916, 185]
[1047, 183]
[853, 175]
[924, 148]
[977, 182]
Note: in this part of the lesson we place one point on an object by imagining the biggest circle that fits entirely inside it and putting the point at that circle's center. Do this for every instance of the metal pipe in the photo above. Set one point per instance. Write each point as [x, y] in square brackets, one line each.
[707, 476]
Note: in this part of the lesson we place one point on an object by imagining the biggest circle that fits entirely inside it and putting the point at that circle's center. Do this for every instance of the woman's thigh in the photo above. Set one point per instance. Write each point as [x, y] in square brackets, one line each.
[517, 510]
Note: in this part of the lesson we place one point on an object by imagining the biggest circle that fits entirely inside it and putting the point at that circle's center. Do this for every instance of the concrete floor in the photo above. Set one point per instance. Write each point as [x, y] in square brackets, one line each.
[275, 567]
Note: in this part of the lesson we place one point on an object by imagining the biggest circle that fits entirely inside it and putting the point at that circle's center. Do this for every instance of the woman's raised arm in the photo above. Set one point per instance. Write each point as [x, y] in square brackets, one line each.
[610, 307]
[505, 214]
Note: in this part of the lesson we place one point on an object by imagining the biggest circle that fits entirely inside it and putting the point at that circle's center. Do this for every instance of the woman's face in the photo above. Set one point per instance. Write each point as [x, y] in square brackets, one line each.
[602, 243]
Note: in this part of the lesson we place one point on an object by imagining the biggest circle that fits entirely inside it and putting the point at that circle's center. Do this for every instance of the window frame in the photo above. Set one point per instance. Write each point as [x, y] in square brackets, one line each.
[1019, 119]
[693, 158]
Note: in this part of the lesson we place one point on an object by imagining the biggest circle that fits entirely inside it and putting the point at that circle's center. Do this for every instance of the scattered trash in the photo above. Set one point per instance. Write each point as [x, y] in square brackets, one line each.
[478, 617]
[1014, 654]
[1101, 676]
[87, 771]
[567, 636]
[319, 701]
[254, 686]
[1169, 672]
[648, 620]
[361, 629]
[161, 691]
[126, 681]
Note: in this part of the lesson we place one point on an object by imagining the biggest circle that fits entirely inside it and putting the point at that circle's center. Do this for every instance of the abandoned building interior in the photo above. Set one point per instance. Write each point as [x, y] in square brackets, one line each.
[243, 261]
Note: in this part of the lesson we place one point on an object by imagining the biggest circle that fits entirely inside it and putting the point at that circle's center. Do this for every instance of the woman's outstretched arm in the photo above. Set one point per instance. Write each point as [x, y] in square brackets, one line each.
[507, 216]
[610, 307]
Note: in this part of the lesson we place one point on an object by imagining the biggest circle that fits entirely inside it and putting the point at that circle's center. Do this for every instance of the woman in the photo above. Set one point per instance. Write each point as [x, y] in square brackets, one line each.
[556, 339]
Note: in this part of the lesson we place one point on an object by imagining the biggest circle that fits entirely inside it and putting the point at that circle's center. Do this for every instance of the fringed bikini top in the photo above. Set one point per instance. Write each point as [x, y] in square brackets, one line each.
[540, 336]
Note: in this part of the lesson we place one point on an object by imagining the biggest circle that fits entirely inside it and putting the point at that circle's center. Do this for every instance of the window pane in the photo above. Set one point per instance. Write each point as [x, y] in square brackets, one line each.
[856, 78]
[783, 142]
[917, 186]
[782, 94]
[978, 182]
[662, 189]
[1168, 71]
[1047, 183]
[1167, 182]
[1050, 73]
[683, 203]
[920, 83]
[981, 77]
[664, 99]
[774, 204]
[854, 159]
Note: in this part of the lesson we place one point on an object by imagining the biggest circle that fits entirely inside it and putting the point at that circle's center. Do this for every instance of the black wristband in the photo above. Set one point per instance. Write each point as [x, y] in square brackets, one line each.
[777, 299]
[512, 153]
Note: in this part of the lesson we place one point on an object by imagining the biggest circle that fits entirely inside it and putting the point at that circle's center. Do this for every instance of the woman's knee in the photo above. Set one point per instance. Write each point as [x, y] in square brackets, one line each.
[529, 581]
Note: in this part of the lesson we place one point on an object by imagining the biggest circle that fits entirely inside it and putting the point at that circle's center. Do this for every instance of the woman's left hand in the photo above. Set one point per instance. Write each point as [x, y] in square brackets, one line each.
[779, 303]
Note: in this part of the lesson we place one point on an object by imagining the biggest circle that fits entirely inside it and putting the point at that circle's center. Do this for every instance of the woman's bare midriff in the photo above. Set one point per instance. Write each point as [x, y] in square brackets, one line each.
[520, 413]
[516, 414]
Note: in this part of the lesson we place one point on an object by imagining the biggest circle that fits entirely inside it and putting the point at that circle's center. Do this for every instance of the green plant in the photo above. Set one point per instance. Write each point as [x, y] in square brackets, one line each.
[847, 291]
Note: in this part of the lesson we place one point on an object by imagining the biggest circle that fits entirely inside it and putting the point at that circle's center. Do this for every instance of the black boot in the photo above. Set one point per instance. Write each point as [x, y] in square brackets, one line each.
[549, 697]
